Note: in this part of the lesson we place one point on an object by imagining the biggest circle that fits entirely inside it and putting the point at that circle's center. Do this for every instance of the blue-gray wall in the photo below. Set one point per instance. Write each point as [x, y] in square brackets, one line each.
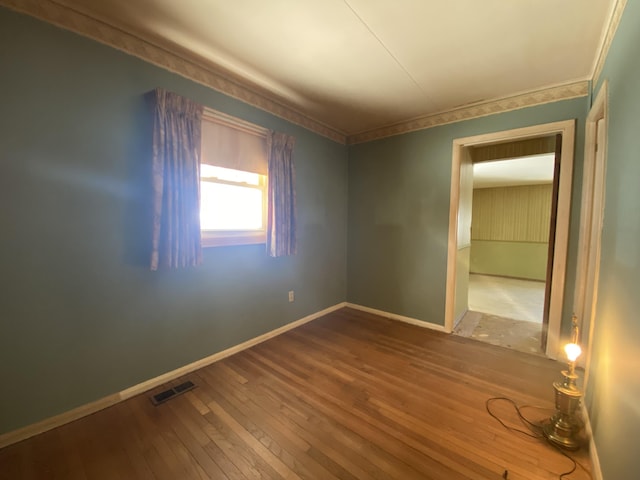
[81, 315]
[399, 192]
[613, 392]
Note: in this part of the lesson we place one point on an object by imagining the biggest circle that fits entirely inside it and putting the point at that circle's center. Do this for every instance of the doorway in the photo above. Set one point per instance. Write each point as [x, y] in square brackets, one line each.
[513, 200]
[458, 261]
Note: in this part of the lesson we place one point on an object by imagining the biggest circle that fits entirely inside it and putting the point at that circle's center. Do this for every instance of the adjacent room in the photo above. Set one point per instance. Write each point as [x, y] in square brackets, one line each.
[512, 205]
[242, 239]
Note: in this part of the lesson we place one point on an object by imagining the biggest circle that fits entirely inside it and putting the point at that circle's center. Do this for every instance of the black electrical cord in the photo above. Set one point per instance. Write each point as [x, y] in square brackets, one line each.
[534, 431]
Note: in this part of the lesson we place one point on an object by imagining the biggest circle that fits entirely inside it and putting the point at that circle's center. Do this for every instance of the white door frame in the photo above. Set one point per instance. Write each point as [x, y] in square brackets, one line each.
[591, 218]
[567, 130]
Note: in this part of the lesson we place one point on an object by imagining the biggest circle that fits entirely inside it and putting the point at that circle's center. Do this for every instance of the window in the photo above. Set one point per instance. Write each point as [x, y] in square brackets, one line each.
[232, 206]
[233, 181]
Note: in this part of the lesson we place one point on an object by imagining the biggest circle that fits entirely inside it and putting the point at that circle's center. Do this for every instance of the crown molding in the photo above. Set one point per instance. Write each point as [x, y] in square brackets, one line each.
[506, 104]
[179, 63]
[69, 19]
[614, 21]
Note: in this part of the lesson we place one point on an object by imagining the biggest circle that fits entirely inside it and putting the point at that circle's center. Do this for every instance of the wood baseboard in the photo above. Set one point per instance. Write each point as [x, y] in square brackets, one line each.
[42, 426]
[596, 472]
[400, 318]
[154, 382]
[50, 423]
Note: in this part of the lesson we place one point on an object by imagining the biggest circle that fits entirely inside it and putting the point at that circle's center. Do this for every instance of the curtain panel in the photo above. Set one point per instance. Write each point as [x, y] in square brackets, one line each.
[281, 222]
[177, 124]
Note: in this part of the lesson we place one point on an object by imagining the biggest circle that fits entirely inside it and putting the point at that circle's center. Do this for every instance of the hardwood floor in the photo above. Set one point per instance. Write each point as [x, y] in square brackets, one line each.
[348, 396]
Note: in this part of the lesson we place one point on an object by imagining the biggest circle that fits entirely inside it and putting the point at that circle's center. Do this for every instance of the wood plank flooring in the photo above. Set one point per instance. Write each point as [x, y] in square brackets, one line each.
[348, 396]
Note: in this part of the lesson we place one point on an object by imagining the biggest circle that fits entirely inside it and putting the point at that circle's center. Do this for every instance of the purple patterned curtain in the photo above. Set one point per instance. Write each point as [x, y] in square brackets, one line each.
[177, 125]
[281, 224]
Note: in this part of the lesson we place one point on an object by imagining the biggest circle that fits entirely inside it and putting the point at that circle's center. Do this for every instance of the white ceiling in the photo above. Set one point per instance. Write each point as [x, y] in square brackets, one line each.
[358, 65]
[531, 170]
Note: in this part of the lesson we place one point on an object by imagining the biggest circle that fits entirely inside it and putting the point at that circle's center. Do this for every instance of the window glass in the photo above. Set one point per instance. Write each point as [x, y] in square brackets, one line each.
[230, 207]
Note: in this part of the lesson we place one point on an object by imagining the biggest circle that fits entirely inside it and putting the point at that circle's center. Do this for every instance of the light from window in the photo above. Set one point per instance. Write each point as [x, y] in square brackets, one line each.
[232, 202]
[230, 207]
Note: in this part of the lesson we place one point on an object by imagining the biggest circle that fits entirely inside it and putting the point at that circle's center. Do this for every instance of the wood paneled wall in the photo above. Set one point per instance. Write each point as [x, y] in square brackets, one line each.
[513, 214]
[522, 148]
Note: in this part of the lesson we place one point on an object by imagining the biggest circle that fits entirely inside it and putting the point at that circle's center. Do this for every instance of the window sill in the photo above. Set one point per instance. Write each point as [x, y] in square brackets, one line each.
[225, 239]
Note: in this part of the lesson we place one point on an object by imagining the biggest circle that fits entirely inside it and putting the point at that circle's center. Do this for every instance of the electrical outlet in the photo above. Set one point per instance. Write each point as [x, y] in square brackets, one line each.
[291, 296]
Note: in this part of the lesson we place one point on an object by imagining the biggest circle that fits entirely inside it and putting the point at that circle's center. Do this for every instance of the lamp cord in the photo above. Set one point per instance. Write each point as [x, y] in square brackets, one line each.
[534, 431]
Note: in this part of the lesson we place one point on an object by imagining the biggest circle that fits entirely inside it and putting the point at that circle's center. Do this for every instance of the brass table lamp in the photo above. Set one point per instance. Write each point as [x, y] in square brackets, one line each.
[563, 427]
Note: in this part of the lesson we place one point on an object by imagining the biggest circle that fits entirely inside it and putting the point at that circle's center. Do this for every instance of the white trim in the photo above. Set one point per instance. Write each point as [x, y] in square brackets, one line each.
[607, 40]
[400, 318]
[158, 52]
[154, 382]
[567, 129]
[591, 218]
[222, 118]
[42, 426]
[50, 423]
[596, 470]
[166, 56]
[483, 109]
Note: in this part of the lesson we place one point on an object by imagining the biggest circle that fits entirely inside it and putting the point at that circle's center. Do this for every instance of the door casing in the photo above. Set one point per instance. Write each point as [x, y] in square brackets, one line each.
[567, 130]
[591, 219]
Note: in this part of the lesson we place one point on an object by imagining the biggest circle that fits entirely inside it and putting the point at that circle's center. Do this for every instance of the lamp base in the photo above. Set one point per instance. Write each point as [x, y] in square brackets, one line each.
[563, 428]
[562, 431]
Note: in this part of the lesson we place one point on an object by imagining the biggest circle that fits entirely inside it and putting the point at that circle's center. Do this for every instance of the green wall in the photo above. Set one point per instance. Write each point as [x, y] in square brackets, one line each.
[613, 391]
[510, 231]
[399, 211]
[81, 315]
[510, 259]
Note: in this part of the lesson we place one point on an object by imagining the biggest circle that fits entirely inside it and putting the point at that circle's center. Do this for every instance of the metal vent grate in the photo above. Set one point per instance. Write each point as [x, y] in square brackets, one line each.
[165, 395]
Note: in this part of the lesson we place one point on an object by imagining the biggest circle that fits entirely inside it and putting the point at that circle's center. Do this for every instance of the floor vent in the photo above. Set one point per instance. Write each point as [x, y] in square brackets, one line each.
[162, 397]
